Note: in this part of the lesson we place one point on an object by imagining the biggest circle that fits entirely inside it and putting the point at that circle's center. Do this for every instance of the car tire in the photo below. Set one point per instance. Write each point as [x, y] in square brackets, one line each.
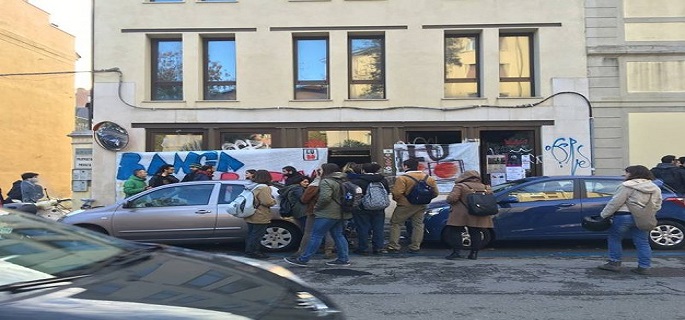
[281, 236]
[667, 235]
[486, 237]
[93, 228]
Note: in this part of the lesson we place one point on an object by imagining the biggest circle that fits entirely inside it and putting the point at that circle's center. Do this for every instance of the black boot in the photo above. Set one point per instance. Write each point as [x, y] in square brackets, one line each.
[473, 255]
[454, 255]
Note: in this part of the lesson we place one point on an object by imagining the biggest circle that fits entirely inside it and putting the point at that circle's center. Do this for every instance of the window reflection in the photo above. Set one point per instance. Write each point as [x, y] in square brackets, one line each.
[177, 142]
[337, 139]
[245, 140]
[167, 75]
[219, 69]
[515, 70]
[461, 66]
[311, 68]
[367, 74]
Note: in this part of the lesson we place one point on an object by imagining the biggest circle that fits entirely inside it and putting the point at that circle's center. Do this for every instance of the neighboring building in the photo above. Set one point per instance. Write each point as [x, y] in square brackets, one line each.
[636, 68]
[355, 76]
[37, 110]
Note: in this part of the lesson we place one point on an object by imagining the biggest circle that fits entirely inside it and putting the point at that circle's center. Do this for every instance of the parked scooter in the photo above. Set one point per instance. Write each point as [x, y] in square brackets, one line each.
[48, 208]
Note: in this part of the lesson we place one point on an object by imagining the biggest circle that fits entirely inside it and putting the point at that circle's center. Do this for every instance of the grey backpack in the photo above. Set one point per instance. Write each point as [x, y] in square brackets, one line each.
[376, 197]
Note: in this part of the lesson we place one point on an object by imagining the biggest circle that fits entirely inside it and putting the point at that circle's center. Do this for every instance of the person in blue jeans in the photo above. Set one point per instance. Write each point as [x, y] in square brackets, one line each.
[328, 218]
[628, 208]
[370, 222]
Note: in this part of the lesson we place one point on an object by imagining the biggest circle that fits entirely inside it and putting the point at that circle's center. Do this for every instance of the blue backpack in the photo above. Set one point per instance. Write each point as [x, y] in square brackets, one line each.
[421, 193]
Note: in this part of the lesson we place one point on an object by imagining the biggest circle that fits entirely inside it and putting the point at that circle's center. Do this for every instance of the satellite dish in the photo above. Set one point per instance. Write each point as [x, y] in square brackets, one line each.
[110, 135]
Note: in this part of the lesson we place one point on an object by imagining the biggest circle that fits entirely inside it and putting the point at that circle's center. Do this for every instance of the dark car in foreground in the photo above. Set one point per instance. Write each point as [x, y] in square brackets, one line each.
[184, 213]
[55, 271]
[552, 207]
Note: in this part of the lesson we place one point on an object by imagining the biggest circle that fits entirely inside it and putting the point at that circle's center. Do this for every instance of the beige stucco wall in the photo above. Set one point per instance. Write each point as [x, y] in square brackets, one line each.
[649, 142]
[37, 111]
[414, 63]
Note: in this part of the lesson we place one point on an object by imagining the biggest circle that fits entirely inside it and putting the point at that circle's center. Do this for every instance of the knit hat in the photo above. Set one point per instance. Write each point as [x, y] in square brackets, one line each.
[196, 165]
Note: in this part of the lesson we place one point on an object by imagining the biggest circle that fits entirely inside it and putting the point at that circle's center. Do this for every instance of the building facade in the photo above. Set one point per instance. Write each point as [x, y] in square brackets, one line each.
[37, 106]
[356, 76]
[636, 71]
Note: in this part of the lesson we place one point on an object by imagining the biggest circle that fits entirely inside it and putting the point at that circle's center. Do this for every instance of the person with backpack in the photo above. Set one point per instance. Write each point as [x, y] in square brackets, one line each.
[459, 218]
[672, 175]
[370, 218]
[289, 200]
[308, 198]
[14, 193]
[412, 191]
[329, 217]
[259, 221]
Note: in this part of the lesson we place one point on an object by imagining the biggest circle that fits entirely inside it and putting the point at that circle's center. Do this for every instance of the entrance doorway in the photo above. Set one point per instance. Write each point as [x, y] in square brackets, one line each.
[508, 155]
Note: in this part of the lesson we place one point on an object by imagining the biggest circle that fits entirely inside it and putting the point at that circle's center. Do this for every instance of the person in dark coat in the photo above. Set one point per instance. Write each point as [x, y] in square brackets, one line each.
[190, 176]
[459, 216]
[205, 173]
[369, 222]
[291, 175]
[668, 172]
[165, 175]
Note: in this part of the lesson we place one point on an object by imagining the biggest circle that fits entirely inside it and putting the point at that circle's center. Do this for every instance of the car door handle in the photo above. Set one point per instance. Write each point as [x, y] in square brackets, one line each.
[203, 211]
[563, 205]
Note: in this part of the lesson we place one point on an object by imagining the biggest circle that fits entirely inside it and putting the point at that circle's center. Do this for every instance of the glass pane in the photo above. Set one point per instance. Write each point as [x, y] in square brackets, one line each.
[221, 60]
[460, 57]
[312, 60]
[177, 142]
[515, 89]
[217, 92]
[307, 92]
[336, 139]
[168, 92]
[169, 61]
[458, 90]
[367, 59]
[601, 188]
[514, 57]
[367, 91]
[242, 140]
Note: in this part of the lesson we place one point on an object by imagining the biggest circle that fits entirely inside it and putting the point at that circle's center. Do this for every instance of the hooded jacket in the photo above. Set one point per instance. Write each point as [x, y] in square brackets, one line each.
[671, 175]
[134, 185]
[263, 201]
[633, 196]
[327, 206]
[459, 215]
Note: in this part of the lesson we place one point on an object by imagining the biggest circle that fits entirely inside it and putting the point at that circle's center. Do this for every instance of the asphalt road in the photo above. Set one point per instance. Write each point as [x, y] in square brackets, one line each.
[510, 281]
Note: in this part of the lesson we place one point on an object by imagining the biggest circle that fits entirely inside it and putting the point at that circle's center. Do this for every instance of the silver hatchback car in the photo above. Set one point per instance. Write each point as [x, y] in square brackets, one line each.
[184, 213]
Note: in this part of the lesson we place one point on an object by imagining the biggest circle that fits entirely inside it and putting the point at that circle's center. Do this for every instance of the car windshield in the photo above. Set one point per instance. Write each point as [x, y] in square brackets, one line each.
[33, 248]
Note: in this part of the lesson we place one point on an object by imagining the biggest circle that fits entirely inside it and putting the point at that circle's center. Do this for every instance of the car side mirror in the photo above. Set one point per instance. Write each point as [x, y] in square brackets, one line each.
[126, 205]
[509, 199]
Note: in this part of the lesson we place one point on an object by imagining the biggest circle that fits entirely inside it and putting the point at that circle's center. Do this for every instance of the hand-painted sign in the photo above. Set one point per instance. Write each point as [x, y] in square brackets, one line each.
[444, 162]
[228, 164]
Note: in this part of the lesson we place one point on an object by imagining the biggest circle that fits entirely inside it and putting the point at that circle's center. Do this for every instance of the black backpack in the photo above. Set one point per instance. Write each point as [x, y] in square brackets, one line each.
[481, 203]
[15, 192]
[350, 197]
[285, 208]
[421, 193]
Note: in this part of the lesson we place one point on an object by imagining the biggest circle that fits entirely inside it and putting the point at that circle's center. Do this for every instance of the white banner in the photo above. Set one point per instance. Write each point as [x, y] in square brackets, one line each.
[229, 164]
[443, 162]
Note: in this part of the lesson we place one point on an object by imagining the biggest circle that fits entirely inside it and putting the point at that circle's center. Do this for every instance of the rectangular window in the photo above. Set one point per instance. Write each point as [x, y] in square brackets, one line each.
[461, 66]
[219, 69]
[162, 141]
[366, 55]
[516, 65]
[167, 69]
[245, 140]
[311, 68]
[338, 139]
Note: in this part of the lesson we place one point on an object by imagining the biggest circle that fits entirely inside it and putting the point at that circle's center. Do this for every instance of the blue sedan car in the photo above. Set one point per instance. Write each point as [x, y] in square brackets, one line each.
[551, 208]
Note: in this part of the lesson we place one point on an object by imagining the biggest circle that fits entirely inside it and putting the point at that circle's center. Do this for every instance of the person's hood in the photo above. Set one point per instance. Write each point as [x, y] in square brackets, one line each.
[315, 182]
[375, 177]
[287, 188]
[338, 175]
[470, 175]
[664, 166]
[642, 185]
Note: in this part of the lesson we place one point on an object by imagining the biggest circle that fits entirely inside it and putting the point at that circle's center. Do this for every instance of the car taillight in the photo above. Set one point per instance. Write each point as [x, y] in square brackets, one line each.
[678, 201]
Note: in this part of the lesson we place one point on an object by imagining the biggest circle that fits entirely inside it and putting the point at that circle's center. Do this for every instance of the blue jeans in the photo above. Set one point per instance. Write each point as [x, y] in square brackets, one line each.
[370, 222]
[621, 225]
[321, 227]
[255, 233]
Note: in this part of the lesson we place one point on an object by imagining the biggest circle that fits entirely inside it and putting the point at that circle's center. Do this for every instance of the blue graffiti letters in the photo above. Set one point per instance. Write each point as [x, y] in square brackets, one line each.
[132, 161]
[569, 153]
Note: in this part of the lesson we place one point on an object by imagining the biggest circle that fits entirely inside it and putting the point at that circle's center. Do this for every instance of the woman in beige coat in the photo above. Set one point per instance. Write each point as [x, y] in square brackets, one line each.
[259, 221]
[459, 217]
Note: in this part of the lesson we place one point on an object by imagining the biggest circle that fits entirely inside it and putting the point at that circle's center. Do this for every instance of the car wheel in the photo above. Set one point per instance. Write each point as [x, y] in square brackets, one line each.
[93, 228]
[281, 236]
[486, 237]
[667, 235]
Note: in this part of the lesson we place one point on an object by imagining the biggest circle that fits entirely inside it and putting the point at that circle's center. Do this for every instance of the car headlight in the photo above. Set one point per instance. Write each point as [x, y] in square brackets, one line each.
[434, 211]
[273, 268]
[306, 300]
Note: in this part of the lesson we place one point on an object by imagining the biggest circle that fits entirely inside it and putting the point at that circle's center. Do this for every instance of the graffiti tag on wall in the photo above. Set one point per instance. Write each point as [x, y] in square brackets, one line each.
[567, 152]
